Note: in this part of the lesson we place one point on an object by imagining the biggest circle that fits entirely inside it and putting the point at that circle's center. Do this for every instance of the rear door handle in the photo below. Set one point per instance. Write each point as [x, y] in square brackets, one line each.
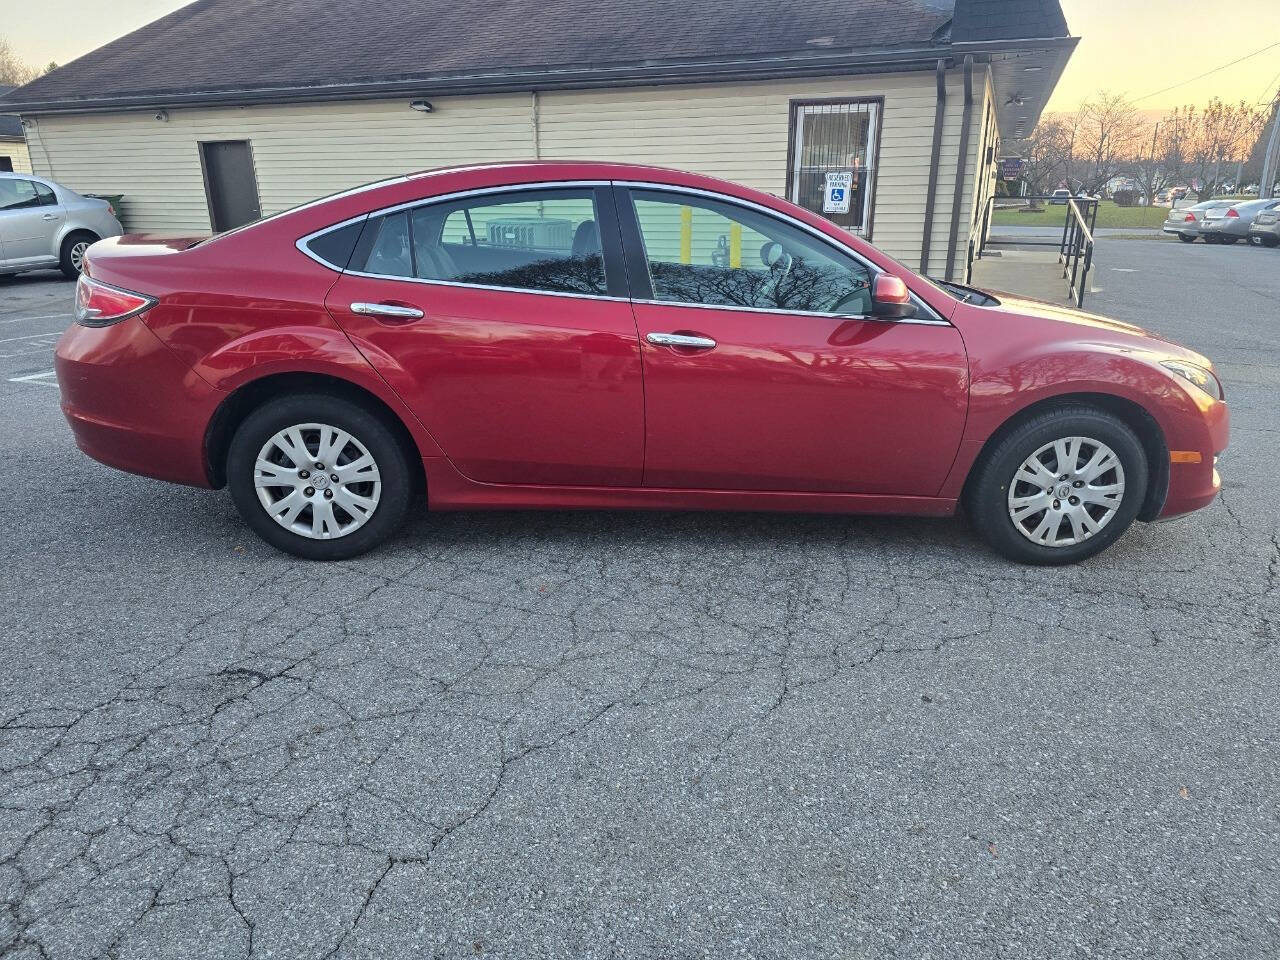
[50, 216]
[387, 310]
[680, 340]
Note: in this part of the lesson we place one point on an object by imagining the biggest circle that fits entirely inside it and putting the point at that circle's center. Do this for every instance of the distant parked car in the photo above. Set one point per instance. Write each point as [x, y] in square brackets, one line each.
[43, 225]
[1230, 224]
[1185, 223]
[1060, 197]
[1265, 229]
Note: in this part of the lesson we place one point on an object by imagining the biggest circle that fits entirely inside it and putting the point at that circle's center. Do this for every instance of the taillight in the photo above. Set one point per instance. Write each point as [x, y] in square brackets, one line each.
[111, 210]
[1190, 218]
[99, 304]
[1233, 213]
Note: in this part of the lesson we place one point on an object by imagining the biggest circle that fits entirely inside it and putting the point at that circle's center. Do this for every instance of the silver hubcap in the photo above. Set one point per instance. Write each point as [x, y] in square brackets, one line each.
[317, 481]
[1066, 491]
[77, 254]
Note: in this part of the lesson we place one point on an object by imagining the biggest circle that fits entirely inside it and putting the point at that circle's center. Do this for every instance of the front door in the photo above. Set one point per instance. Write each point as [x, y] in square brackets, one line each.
[231, 185]
[496, 320]
[762, 370]
[30, 220]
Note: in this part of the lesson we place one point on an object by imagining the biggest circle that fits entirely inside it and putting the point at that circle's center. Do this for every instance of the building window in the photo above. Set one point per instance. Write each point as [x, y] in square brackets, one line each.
[838, 140]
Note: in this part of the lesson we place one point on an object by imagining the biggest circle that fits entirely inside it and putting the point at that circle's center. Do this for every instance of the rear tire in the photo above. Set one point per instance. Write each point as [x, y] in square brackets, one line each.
[1185, 238]
[1230, 240]
[305, 506]
[1060, 531]
[71, 257]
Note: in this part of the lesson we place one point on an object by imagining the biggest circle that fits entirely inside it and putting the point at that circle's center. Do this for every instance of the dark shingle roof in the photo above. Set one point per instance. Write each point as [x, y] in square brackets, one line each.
[10, 126]
[301, 49]
[215, 45]
[977, 20]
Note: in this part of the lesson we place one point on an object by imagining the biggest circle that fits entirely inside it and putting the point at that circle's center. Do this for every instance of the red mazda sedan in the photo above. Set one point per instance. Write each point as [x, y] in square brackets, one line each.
[589, 335]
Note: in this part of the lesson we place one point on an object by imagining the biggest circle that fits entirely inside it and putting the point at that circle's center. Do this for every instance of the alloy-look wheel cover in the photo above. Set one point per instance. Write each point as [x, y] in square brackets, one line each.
[317, 481]
[1066, 491]
[78, 250]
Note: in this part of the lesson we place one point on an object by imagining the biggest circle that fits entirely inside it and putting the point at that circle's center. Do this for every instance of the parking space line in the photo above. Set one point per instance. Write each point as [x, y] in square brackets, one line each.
[41, 379]
[30, 336]
[46, 316]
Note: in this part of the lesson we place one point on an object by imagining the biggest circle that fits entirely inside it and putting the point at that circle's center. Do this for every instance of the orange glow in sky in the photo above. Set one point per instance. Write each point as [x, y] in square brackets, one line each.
[1138, 47]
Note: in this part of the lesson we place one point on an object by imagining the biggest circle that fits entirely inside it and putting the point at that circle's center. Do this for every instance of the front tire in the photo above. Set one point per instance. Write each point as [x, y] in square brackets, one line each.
[71, 256]
[1060, 487]
[319, 477]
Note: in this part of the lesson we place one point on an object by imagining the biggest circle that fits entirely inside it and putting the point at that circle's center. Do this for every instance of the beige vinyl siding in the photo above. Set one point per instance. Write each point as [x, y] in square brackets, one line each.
[19, 156]
[301, 151]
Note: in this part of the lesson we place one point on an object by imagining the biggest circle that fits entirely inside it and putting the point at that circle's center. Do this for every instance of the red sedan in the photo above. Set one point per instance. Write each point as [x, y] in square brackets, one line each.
[587, 335]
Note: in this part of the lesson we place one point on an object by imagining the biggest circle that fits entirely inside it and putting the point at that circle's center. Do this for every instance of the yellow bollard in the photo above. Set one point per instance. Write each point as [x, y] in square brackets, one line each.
[735, 245]
[686, 234]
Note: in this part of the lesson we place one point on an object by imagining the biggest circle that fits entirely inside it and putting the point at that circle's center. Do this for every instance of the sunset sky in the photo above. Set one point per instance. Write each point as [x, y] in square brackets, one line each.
[1135, 47]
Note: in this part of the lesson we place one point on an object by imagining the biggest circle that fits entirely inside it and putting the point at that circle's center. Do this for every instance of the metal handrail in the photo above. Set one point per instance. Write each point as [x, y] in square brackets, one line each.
[1076, 252]
[1091, 203]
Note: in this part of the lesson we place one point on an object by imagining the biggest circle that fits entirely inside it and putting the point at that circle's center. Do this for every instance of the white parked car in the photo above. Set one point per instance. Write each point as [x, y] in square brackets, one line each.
[43, 225]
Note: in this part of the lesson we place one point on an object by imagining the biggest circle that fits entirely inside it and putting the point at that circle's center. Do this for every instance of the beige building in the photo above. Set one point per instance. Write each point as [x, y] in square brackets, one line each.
[13, 142]
[207, 119]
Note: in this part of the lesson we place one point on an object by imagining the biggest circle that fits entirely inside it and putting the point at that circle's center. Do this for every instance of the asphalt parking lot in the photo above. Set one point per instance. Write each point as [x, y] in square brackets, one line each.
[655, 735]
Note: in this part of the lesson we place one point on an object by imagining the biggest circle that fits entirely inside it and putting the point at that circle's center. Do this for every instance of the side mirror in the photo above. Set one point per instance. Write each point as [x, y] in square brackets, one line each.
[890, 298]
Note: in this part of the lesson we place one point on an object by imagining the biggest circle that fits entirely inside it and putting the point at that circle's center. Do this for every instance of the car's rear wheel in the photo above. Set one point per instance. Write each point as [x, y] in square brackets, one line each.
[74, 247]
[1187, 238]
[1060, 487]
[1271, 241]
[1229, 240]
[319, 476]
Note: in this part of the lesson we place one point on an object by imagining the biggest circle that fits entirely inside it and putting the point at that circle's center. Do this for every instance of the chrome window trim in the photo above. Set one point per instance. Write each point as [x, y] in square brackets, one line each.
[918, 321]
[935, 320]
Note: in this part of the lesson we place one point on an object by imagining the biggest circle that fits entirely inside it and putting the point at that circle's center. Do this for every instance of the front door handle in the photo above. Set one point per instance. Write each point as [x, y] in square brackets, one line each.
[680, 340]
[387, 310]
[50, 216]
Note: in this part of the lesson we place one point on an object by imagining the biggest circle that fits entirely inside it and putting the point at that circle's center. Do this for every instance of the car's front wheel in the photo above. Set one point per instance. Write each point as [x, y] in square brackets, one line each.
[319, 476]
[1059, 487]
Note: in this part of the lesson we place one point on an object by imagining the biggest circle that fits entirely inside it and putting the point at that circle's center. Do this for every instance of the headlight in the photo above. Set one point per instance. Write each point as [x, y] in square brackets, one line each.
[1202, 378]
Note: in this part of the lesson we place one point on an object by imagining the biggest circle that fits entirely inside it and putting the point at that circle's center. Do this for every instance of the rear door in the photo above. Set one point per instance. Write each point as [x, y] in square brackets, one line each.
[502, 319]
[30, 220]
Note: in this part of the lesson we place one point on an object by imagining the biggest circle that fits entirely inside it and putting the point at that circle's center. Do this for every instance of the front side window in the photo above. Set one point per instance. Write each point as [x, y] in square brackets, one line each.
[539, 240]
[713, 253]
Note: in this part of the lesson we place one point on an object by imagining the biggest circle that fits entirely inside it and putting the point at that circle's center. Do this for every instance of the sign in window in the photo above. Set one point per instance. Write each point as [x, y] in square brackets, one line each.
[833, 150]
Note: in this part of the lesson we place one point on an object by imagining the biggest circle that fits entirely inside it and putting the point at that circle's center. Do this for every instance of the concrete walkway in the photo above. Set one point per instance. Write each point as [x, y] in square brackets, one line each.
[1025, 271]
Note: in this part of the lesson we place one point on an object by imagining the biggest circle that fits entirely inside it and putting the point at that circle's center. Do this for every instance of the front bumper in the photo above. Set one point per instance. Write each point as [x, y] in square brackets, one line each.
[133, 404]
[1196, 485]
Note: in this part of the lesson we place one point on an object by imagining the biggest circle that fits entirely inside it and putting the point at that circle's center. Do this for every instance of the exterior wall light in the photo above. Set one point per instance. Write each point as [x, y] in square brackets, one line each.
[422, 106]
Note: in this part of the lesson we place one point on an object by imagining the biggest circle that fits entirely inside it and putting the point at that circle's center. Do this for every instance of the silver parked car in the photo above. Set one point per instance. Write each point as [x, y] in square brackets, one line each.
[43, 224]
[1229, 224]
[1185, 221]
[1265, 229]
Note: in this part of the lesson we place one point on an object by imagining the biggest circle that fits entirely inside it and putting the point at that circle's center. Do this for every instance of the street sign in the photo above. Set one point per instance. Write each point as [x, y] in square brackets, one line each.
[1010, 168]
[838, 193]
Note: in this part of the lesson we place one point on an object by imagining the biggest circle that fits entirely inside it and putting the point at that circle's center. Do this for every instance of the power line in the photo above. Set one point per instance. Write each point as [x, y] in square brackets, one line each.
[1183, 83]
[1269, 92]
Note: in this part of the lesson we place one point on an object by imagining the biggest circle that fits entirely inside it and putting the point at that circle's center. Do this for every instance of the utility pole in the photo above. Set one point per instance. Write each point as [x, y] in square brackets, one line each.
[1271, 159]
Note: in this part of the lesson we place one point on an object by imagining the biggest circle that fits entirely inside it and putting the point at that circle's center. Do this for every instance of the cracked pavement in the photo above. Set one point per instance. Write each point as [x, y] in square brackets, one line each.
[653, 735]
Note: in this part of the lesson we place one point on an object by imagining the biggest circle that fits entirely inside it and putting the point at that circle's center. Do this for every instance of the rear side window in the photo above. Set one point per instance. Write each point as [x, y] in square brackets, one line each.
[538, 240]
[336, 246]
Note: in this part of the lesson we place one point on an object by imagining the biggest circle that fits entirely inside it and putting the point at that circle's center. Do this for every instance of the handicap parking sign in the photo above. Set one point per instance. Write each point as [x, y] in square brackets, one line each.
[836, 196]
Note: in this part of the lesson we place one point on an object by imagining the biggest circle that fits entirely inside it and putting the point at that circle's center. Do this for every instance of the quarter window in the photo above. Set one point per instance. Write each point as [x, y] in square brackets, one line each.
[713, 253]
[541, 240]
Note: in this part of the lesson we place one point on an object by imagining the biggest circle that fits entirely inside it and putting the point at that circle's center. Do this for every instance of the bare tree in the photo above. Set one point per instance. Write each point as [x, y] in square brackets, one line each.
[1217, 137]
[1046, 155]
[13, 70]
[1109, 132]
